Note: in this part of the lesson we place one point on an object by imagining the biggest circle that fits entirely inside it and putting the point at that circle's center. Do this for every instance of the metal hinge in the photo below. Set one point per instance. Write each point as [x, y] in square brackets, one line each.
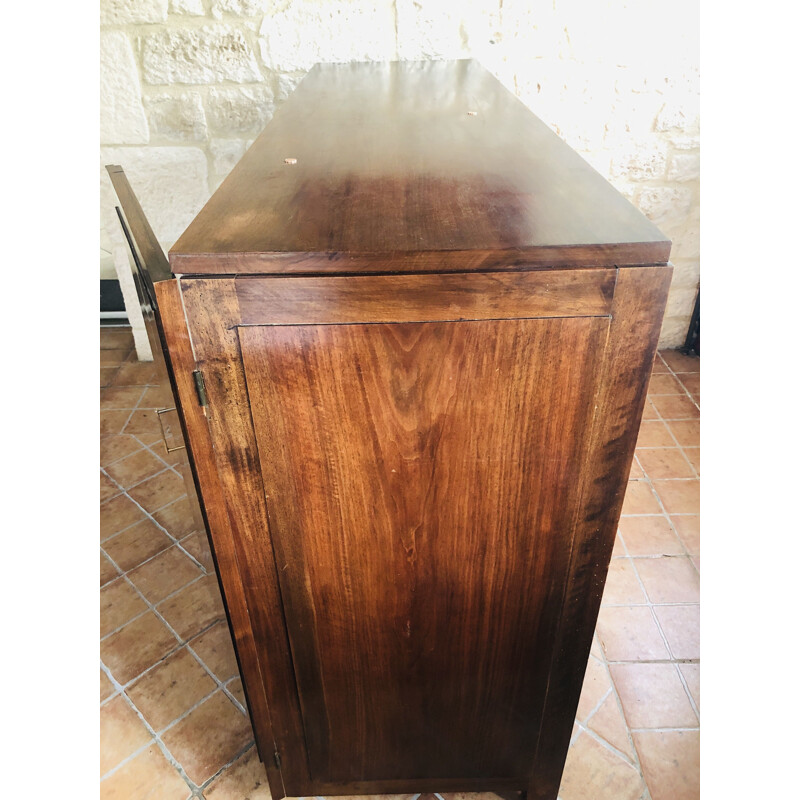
[200, 385]
[277, 758]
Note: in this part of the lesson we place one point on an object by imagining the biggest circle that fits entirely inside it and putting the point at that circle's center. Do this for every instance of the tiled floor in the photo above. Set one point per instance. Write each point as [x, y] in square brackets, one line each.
[172, 712]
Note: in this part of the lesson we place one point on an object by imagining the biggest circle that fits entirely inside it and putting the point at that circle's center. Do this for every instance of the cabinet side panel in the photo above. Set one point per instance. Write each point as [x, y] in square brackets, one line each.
[637, 312]
[220, 529]
[422, 482]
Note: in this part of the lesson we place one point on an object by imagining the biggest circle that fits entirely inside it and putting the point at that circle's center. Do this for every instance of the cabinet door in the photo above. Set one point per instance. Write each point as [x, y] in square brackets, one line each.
[422, 483]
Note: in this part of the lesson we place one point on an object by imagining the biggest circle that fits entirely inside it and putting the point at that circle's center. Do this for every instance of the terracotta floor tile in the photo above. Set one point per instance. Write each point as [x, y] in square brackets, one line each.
[691, 674]
[654, 433]
[675, 407]
[197, 545]
[107, 570]
[609, 723]
[121, 733]
[215, 649]
[653, 696]
[143, 421]
[659, 365]
[135, 468]
[671, 763]
[112, 422]
[110, 357]
[194, 608]
[681, 626]
[149, 438]
[245, 778]
[237, 690]
[177, 518]
[119, 603]
[136, 544]
[117, 514]
[664, 384]
[630, 634]
[670, 579]
[649, 411]
[140, 644]
[649, 536]
[166, 573]
[106, 687]
[209, 737]
[687, 432]
[116, 337]
[662, 463]
[149, 776]
[636, 471]
[156, 492]
[175, 458]
[622, 585]
[679, 497]
[108, 488]
[171, 689]
[112, 448]
[596, 685]
[157, 397]
[688, 527]
[120, 397]
[691, 382]
[618, 551]
[136, 374]
[678, 362]
[639, 499]
[593, 772]
[107, 375]
[693, 456]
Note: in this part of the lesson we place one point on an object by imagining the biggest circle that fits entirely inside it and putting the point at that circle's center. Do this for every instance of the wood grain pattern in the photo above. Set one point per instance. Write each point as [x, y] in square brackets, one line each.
[421, 484]
[421, 298]
[639, 302]
[229, 447]
[393, 174]
[221, 538]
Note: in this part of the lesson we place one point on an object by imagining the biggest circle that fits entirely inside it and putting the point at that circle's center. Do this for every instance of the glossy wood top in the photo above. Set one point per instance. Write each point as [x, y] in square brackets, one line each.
[408, 167]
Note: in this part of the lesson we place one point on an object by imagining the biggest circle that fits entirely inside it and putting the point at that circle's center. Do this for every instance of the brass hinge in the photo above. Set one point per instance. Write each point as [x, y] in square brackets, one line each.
[277, 758]
[200, 385]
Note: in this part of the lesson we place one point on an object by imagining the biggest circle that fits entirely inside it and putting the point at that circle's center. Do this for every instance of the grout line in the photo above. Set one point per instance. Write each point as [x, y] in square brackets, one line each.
[637, 761]
[165, 751]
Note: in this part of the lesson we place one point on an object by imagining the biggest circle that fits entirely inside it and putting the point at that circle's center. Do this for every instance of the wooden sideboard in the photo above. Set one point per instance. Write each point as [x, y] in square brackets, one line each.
[410, 337]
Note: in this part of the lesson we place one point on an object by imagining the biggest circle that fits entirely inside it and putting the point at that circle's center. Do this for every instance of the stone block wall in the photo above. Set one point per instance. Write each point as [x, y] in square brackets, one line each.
[186, 85]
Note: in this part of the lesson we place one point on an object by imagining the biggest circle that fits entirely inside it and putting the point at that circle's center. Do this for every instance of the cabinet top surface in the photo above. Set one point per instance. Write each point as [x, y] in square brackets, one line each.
[411, 166]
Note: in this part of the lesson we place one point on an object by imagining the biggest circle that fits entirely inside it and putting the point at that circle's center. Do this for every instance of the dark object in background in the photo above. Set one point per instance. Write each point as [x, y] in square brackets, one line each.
[692, 344]
[111, 296]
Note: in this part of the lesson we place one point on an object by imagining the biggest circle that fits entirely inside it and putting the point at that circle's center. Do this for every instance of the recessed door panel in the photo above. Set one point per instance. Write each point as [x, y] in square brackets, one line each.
[422, 482]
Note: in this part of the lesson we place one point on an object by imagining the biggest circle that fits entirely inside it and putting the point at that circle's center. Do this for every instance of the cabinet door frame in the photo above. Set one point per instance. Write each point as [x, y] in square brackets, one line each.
[200, 317]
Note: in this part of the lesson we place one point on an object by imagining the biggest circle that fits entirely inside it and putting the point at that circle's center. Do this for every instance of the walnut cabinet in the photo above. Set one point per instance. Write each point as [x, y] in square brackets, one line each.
[410, 337]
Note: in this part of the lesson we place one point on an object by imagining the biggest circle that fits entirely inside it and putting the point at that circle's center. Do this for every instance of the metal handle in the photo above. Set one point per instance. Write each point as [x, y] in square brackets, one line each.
[161, 411]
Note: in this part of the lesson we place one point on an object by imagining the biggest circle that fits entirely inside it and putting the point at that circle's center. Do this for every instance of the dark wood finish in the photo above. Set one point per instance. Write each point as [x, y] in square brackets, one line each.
[639, 302]
[372, 444]
[220, 526]
[412, 481]
[212, 310]
[149, 250]
[418, 298]
[393, 174]
[149, 267]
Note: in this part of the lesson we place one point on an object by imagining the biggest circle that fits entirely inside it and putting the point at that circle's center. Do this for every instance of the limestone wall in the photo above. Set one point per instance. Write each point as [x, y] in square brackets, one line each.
[187, 84]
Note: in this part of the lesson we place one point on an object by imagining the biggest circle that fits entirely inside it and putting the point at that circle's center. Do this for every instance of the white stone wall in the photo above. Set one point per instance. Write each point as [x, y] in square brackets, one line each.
[187, 84]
